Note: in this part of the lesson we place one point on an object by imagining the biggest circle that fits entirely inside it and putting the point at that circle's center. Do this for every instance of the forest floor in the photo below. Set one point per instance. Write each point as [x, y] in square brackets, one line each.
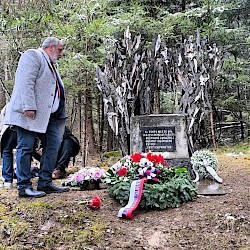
[57, 221]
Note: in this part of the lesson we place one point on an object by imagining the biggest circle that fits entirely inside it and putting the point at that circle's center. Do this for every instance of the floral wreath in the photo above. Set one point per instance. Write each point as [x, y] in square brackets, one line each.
[171, 185]
[201, 159]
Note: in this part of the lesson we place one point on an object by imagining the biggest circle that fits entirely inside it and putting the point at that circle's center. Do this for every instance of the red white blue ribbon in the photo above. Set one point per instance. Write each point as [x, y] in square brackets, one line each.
[134, 199]
[147, 174]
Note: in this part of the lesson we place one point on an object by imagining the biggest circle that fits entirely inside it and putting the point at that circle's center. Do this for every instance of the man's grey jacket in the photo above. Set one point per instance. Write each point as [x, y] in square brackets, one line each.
[34, 89]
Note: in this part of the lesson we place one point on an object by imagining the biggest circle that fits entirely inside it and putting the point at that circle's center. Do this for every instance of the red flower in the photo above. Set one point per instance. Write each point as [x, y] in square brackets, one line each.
[155, 179]
[122, 172]
[149, 157]
[158, 171]
[155, 158]
[160, 159]
[152, 158]
[95, 203]
[136, 157]
[165, 164]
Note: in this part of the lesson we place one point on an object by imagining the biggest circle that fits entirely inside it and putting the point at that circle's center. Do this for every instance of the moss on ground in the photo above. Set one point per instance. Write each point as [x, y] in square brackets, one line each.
[48, 224]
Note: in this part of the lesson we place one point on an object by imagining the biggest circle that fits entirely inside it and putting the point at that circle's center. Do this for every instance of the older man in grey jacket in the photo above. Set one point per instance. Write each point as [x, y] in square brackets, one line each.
[37, 107]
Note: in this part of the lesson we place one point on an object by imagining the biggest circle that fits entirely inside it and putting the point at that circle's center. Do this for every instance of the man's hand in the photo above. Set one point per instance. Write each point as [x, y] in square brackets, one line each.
[39, 151]
[30, 113]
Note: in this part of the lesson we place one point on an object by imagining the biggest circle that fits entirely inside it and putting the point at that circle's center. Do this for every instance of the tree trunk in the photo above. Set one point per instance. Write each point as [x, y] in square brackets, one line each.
[110, 140]
[80, 132]
[101, 117]
[242, 134]
[212, 129]
[89, 128]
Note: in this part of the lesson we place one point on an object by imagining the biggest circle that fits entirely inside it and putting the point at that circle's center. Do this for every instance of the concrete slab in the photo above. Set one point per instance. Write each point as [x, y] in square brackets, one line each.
[209, 187]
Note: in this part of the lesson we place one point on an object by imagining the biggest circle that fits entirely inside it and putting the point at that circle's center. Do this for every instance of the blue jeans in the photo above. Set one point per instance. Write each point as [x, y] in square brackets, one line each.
[8, 143]
[25, 142]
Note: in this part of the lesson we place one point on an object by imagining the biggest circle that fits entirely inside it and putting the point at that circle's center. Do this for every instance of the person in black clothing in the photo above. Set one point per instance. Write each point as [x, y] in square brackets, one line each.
[70, 147]
[8, 144]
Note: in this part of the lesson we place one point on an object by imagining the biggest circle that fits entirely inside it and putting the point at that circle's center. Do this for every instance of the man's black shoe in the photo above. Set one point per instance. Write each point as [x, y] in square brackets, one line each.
[29, 192]
[52, 188]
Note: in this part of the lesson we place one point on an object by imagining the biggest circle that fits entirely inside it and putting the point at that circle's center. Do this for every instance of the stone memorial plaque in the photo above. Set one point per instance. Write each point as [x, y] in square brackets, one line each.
[158, 139]
[164, 134]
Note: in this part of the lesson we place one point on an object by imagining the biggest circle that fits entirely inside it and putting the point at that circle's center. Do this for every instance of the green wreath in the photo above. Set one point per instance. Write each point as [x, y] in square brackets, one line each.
[173, 188]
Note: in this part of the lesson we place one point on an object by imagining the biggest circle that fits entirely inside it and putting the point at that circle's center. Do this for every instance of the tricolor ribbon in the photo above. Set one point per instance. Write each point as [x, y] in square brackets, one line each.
[134, 199]
[147, 174]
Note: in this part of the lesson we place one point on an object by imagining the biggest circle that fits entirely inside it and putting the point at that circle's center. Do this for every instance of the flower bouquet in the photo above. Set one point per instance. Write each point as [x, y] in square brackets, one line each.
[86, 178]
[134, 167]
[171, 187]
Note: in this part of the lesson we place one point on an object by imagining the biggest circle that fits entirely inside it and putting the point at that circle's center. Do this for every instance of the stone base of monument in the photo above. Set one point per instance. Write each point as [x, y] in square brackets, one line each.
[180, 162]
[209, 187]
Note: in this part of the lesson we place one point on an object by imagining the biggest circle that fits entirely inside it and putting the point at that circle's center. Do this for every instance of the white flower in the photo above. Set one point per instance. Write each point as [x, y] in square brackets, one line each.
[81, 16]
[142, 162]
[202, 159]
[116, 167]
[127, 164]
[150, 163]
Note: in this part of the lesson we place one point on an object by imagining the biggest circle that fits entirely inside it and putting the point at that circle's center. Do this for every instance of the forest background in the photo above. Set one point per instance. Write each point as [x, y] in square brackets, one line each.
[92, 28]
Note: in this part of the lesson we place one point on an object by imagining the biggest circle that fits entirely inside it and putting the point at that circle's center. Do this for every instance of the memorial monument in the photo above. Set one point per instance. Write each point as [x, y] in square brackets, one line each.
[164, 134]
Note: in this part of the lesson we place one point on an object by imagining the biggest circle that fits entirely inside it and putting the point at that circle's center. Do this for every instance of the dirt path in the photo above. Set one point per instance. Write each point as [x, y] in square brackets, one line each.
[58, 222]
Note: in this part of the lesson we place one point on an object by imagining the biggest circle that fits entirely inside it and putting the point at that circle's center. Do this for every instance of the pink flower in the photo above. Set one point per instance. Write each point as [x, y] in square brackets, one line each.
[71, 177]
[97, 175]
[79, 177]
[88, 172]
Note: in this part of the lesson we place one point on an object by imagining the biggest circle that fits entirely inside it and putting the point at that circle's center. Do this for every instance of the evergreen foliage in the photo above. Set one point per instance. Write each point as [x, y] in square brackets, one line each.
[173, 190]
[90, 28]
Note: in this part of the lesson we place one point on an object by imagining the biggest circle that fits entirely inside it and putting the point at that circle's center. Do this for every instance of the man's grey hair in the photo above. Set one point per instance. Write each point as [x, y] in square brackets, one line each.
[50, 40]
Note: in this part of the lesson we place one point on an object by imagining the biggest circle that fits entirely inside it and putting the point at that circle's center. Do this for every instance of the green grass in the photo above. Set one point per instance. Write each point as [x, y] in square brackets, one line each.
[242, 147]
[112, 154]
